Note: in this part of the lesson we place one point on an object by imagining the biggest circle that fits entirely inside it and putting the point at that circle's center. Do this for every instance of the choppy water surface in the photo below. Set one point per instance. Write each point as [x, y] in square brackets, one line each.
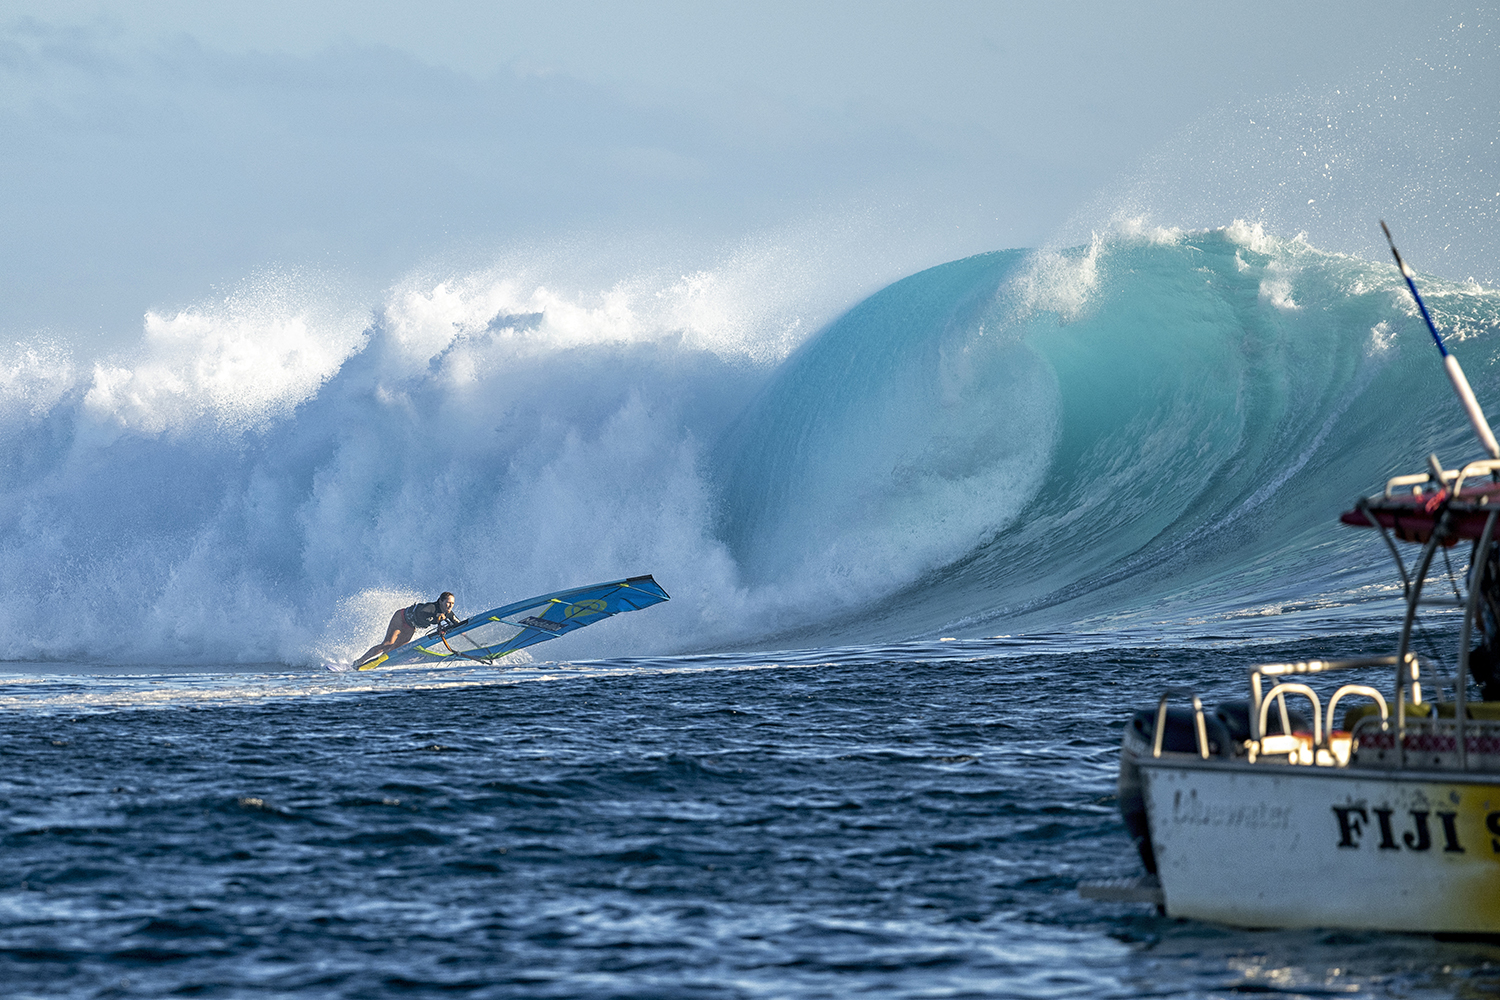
[1128, 457]
[907, 821]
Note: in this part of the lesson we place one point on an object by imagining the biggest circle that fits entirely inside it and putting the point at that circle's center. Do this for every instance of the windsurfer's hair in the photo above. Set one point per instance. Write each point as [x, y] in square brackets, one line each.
[446, 593]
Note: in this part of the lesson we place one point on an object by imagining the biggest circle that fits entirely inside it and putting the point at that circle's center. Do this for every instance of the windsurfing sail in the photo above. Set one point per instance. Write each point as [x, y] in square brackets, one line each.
[487, 637]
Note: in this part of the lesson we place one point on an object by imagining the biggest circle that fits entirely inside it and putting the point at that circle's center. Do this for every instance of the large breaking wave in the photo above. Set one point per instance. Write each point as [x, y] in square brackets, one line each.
[1156, 430]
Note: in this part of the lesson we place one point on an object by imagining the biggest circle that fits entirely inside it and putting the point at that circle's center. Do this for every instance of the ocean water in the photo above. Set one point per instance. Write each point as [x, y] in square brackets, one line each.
[925, 560]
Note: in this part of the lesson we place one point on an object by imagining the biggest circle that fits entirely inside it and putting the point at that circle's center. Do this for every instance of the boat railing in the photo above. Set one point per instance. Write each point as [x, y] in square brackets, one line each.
[1200, 727]
[1261, 671]
[1483, 467]
[1323, 746]
[1357, 689]
[1454, 478]
[1287, 742]
[1418, 480]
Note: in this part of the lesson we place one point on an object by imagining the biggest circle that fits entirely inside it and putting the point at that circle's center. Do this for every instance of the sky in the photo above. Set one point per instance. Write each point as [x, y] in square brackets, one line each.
[155, 154]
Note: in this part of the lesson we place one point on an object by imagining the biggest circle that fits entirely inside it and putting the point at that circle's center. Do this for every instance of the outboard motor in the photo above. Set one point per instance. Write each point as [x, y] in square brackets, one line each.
[1180, 735]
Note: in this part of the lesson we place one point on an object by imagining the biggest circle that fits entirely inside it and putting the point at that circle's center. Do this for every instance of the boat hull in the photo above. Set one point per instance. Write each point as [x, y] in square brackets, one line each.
[1265, 845]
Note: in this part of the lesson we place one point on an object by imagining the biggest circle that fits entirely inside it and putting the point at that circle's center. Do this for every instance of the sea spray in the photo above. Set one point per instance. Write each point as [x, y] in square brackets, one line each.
[1147, 428]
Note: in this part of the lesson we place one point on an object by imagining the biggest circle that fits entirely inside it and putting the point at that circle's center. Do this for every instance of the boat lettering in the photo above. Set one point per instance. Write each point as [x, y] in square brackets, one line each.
[1492, 823]
[1351, 824]
[1256, 816]
[1450, 833]
[1353, 819]
[1387, 838]
[1423, 839]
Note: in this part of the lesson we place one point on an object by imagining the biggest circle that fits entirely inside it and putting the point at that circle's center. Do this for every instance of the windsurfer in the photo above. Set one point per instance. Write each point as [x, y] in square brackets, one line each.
[406, 621]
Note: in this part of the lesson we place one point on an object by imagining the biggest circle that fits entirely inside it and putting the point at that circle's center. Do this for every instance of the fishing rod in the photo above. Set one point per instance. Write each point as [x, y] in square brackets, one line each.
[1450, 363]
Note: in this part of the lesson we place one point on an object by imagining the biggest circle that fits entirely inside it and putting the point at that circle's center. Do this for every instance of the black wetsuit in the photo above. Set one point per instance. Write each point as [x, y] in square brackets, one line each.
[421, 615]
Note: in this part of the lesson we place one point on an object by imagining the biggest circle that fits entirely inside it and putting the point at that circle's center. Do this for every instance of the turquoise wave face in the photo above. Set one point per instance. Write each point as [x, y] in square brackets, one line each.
[1154, 432]
[1142, 431]
[888, 444]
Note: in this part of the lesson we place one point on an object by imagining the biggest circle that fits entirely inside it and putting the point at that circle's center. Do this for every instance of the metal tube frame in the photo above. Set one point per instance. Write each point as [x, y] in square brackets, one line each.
[1281, 691]
[1466, 631]
[1406, 667]
[1200, 727]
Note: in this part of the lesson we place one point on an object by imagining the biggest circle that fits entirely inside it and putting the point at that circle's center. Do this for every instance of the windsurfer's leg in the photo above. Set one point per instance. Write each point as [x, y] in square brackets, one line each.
[373, 652]
[397, 633]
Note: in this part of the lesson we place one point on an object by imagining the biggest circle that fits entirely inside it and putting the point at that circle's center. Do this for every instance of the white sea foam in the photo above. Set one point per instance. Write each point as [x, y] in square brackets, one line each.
[236, 365]
[1381, 338]
[34, 377]
[1252, 236]
[1060, 282]
[267, 478]
[1276, 287]
[266, 481]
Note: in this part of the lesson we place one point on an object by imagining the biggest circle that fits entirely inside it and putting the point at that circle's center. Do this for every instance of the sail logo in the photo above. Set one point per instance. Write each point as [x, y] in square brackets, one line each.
[589, 607]
[1412, 830]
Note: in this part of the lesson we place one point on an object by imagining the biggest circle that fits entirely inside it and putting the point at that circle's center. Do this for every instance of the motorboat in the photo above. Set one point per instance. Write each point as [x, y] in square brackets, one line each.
[1353, 807]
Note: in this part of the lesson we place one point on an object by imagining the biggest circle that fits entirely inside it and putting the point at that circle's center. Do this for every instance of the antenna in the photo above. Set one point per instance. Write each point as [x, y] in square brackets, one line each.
[1450, 363]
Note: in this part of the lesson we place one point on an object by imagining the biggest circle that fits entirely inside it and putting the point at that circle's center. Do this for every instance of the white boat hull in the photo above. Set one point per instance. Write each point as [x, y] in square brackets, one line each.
[1261, 845]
